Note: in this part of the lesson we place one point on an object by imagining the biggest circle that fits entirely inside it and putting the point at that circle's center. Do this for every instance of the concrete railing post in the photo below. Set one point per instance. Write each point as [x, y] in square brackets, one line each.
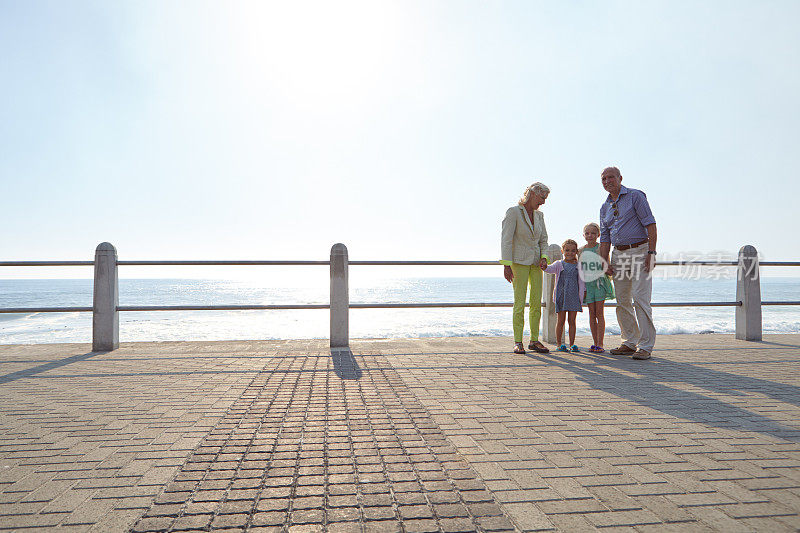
[105, 317]
[549, 317]
[340, 298]
[748, 291]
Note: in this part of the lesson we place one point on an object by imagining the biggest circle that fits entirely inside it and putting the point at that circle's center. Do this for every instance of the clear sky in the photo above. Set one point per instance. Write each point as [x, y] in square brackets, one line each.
[259, 130]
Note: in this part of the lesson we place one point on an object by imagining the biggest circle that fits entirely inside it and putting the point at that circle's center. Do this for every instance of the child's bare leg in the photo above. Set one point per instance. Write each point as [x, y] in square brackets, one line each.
[601, 322]
[560, 326]
[571, 319]
[593, 322]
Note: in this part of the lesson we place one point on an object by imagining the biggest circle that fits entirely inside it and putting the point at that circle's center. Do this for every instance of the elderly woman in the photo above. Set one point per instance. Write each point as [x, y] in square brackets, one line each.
[522, 245]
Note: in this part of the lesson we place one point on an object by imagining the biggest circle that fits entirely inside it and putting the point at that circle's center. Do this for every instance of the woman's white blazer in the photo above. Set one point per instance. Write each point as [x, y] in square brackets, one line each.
[523, 240]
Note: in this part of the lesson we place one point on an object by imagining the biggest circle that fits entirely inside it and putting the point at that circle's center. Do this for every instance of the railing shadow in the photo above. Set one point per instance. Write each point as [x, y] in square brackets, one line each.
[647, 387]
[28, 372]
[344, 364]
[772, 343]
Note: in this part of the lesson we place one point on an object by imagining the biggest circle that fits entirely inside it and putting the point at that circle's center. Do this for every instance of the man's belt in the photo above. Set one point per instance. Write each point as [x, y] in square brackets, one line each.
[629, 246]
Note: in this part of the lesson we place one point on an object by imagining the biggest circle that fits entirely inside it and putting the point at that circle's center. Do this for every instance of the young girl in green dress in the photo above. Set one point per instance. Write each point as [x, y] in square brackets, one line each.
[598, 285]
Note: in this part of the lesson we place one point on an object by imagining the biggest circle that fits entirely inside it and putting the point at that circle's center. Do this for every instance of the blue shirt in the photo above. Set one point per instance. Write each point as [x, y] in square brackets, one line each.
[628, 226]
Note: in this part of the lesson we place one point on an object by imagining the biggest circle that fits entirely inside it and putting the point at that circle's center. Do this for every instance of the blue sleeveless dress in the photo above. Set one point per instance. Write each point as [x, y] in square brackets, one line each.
[566, 292]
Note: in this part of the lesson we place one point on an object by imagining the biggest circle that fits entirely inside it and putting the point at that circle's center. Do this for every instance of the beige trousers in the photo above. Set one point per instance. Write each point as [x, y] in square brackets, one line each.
[634, 288]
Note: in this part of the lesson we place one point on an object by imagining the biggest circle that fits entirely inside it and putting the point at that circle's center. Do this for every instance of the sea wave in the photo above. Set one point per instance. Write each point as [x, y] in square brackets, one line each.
[8, 317]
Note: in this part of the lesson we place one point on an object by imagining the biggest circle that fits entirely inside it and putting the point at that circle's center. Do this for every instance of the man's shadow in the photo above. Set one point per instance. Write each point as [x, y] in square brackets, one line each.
[647, 388]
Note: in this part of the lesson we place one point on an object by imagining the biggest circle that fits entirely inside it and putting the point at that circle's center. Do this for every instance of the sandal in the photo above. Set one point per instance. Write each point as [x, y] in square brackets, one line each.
[563, 348]
[596, 349]
[518, 348]
[538, 347]
[575, 349]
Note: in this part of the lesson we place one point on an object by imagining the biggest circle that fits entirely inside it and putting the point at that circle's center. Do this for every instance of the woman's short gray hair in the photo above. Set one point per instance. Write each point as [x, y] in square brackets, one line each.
[539, 188]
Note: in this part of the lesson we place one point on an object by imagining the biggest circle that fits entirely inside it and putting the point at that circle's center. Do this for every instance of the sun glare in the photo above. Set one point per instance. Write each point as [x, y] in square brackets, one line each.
[315, 54]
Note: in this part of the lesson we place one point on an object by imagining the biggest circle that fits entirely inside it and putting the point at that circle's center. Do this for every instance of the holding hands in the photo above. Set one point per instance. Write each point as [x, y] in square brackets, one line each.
[509, 274]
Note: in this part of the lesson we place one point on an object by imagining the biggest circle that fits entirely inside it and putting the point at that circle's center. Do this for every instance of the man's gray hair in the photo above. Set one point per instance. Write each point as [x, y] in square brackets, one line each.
[539, 188]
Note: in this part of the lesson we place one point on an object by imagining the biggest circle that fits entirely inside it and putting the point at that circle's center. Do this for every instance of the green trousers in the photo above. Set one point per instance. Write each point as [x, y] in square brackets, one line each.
[523, 276]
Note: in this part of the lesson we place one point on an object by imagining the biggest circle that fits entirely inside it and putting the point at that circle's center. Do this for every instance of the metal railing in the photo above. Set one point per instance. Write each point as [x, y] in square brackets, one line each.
[106, 308]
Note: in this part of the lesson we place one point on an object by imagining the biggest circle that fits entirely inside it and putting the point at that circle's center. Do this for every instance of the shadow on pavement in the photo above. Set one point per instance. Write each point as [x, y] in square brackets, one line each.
[647, 387]
[344, 364]
[20, 374]
[780, 344]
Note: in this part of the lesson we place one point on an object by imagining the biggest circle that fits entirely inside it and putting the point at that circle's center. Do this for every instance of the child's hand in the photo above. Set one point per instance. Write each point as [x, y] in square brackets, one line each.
[542, 263]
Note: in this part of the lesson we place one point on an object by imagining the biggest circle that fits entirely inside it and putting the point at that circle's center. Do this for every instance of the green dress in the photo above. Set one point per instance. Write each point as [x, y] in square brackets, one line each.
[598, 284]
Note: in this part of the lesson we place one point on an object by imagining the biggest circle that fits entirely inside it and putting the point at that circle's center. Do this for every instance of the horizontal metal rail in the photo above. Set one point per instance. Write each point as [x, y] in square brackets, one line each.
[44, 263]
[219, 307]
[504, 304]
[23, 310]
[423, 263]
[327, 306]
[352, 263]
[225, 263]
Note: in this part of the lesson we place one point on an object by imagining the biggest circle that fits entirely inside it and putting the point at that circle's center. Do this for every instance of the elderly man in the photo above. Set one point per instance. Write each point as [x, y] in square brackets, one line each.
[627, 224]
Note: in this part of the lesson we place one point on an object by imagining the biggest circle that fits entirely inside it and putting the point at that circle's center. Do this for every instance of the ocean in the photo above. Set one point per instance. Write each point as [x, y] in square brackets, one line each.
[37, 328]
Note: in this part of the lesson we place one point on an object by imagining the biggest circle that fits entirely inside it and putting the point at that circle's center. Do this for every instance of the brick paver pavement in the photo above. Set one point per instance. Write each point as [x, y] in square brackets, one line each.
[406, 435]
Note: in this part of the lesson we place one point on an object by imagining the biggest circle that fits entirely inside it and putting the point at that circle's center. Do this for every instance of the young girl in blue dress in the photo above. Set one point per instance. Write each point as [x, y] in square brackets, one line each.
[568, 294]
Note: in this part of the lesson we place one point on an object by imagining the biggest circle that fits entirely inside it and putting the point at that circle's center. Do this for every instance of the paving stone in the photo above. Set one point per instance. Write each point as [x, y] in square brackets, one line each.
[308, 502]
[307, 516]
[343, 514]
[623, 518]
[236, 507]
[200, 521]
[383, 526]
[495, 523]
[17, 522]
[379, 513]
[153, 524]
[420, 526]
[344, 527]
[456, 525]
[113, 521]
[201, 507]
[89, 514]
[410, 498]
[274, 518]
[447, 510]
[306, 528]
[229, 521]
[273, 504]
[339, 490]
[527, 516]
